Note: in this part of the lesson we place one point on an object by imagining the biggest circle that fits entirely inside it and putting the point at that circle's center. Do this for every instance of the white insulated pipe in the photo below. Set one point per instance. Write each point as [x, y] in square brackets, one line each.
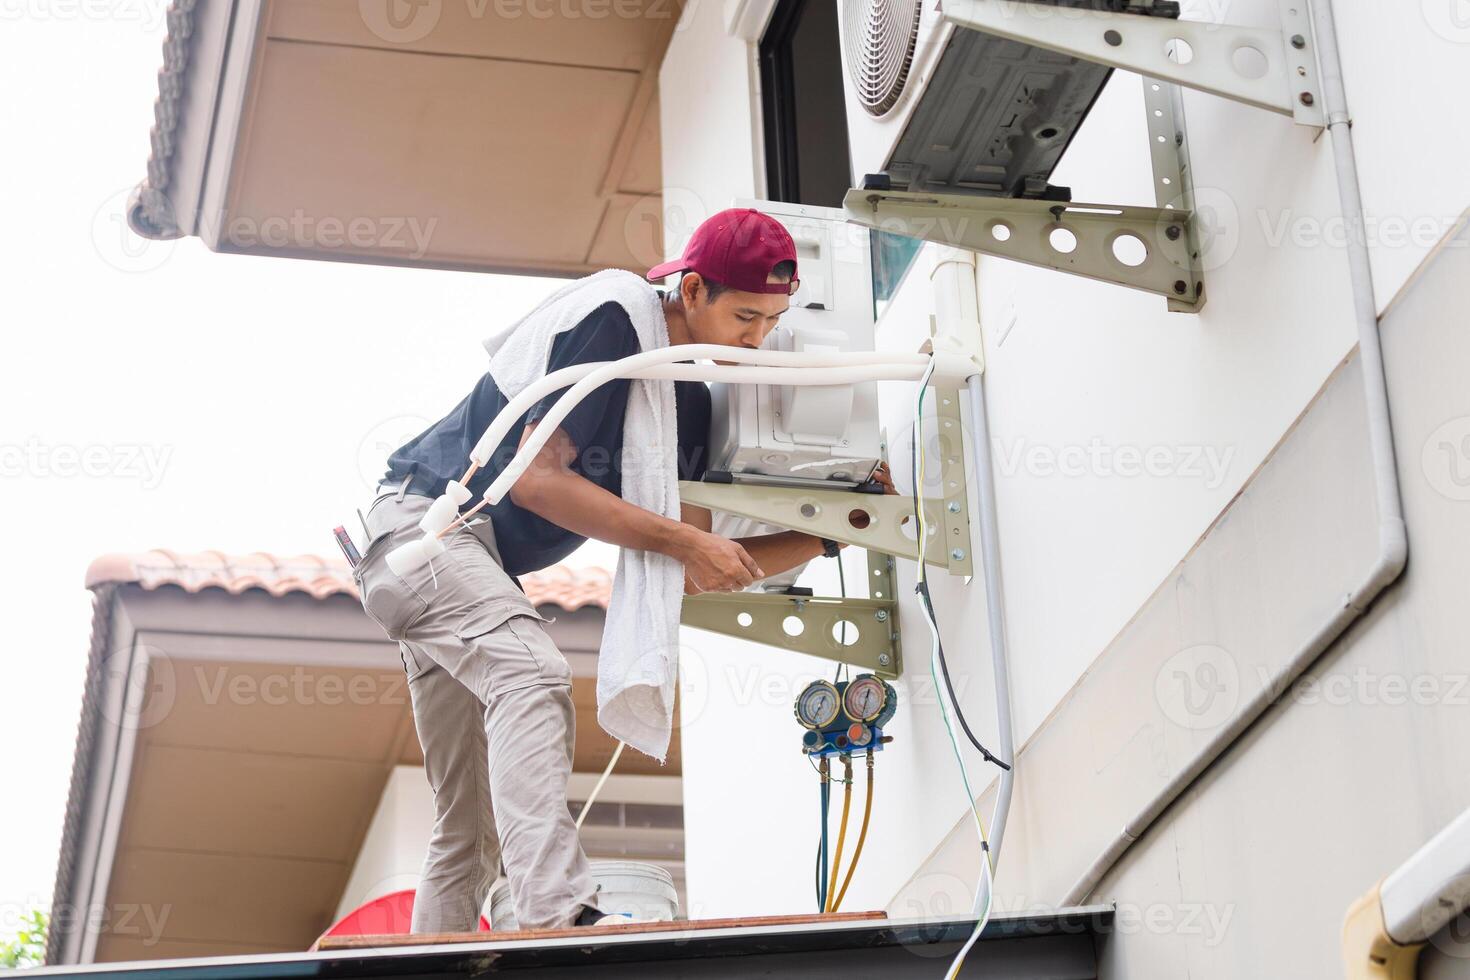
[764, 367]
[957, 327]
[771, 367]
[995, 614]
[577, 373]
[1431, 888]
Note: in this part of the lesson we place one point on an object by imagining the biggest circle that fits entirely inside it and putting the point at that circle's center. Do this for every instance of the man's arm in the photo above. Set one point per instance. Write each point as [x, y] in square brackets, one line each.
[781, 550]
[551, 490]
[775, 553]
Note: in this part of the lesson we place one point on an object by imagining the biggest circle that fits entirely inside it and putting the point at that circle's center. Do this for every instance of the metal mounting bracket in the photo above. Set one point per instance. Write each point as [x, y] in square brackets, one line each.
[953, 486]
[872, 634]
[1173, 177]
[829, 513]
[871, 624]
[1263, 67]
[1090, 240]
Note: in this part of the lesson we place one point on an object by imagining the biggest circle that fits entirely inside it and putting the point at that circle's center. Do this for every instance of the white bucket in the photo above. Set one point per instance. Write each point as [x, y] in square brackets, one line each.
[629, 887]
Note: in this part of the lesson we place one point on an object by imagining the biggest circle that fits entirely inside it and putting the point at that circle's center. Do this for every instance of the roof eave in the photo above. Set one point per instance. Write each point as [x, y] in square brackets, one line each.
[77, 800]
[207, 55]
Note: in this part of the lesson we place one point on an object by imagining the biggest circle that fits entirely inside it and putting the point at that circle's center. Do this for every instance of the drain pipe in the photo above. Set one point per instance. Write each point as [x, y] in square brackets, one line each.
[995, 609]
[957, 329]
[1393, 540]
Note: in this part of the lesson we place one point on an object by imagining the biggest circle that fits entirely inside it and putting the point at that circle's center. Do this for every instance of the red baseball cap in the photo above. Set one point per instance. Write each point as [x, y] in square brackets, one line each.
[737, 248]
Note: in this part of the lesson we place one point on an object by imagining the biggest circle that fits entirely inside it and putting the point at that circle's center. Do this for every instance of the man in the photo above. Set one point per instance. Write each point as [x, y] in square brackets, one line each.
[491, 693]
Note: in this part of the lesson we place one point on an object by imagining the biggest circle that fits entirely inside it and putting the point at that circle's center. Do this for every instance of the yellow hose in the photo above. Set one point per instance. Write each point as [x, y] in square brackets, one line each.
[862, 836]
[842, 830]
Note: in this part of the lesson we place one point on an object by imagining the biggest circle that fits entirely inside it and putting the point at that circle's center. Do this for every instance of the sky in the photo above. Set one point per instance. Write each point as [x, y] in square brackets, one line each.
[159, 395]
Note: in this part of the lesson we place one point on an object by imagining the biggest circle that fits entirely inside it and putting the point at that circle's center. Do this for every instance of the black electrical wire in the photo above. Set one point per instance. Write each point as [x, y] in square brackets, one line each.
[921, 589]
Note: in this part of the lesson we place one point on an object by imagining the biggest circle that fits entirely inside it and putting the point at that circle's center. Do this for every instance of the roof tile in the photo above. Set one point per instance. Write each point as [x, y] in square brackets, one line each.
[318, 577]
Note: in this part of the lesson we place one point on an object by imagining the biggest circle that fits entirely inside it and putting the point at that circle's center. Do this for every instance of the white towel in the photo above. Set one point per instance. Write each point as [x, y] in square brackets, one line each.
[638, 663]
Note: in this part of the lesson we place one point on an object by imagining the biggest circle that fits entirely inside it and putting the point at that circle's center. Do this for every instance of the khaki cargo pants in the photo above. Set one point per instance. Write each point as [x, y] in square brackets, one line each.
[493, 707]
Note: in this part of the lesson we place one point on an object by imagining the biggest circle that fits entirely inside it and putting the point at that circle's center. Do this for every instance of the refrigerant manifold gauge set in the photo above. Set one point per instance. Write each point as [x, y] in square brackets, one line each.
[843, 717]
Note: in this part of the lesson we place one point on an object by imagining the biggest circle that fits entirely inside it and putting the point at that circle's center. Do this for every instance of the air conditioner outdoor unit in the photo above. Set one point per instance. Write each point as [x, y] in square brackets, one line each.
[941, 109]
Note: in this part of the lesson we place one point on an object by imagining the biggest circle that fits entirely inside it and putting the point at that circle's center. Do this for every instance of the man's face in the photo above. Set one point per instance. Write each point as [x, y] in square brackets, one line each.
[735, 318]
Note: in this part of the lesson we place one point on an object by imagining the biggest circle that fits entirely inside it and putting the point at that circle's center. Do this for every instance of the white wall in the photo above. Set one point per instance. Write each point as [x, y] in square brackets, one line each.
[1071, 364]
[709, 129]
[1251, 871]
[1405, 72]
[393, 850]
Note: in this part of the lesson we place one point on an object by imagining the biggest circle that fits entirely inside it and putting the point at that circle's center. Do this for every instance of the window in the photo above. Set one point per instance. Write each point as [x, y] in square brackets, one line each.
[804, 106]
[892, 256]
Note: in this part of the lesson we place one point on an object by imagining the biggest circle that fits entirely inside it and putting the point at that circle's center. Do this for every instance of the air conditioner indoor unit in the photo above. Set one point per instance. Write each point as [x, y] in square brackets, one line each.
[934, 108]
[791, 435]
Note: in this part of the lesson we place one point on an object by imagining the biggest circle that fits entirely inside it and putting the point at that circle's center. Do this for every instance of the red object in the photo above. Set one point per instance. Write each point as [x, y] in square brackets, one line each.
[386, 915]
[737, 248]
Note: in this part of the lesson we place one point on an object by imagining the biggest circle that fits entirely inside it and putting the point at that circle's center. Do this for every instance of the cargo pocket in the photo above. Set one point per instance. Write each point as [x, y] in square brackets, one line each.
[516, 651]
[388, 599]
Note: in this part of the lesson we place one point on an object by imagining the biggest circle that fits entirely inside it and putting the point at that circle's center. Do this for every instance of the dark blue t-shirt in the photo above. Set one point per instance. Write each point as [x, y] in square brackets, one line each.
[528, 542]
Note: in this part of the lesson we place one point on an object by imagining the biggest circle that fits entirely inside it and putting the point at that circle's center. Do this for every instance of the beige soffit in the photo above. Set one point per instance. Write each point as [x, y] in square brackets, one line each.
[504, 135]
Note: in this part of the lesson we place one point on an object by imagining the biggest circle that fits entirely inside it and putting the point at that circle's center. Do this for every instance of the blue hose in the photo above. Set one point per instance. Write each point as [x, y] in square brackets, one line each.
[822, 850]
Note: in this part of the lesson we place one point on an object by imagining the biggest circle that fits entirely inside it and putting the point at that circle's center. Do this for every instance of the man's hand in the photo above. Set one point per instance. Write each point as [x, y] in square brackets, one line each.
[884, 478]
[713, 563]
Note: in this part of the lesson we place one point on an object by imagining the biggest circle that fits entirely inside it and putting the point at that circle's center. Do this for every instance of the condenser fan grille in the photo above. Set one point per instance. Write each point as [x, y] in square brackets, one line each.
[879, 39]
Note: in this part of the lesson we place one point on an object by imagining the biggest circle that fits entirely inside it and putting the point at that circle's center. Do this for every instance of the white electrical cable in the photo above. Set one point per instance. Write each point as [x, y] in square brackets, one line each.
[986, 886]
[592, 796]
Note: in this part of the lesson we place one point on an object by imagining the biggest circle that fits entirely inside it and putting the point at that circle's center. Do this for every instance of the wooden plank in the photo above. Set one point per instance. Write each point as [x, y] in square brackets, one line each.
[593, 932]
